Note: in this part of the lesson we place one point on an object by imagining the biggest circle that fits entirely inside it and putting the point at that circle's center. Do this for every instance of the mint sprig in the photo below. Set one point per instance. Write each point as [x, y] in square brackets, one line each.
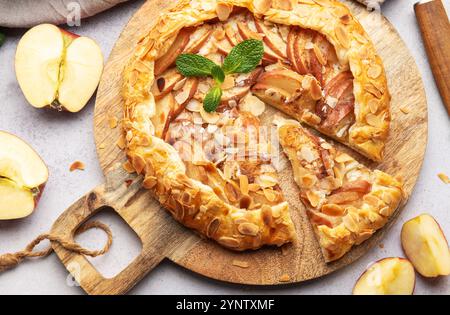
[243, 58]
[212, 99]
[191, 65]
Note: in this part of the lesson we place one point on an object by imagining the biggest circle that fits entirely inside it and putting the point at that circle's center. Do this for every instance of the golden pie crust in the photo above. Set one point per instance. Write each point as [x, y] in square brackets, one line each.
[207, 206]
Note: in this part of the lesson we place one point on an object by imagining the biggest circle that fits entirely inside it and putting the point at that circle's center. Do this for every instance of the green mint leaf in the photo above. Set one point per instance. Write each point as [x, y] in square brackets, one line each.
[2, 39]
[212, 99]
[244, 57]
[191, 65]
[218, 74]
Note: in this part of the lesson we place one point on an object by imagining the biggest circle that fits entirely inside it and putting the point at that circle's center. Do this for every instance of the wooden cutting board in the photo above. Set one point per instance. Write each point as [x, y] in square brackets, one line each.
[162, 237]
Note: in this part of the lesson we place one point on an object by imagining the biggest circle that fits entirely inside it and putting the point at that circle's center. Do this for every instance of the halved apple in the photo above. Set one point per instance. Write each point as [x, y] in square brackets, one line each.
[389, 276]
[57, 69]
[426, 247]
[23, 175]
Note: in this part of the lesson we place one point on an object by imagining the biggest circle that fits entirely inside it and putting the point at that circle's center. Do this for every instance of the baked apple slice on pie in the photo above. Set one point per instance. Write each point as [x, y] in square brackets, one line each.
[213, 167]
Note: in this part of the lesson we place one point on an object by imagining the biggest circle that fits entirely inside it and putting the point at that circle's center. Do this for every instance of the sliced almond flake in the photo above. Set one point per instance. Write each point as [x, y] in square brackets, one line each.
[307, 154]
[228, 83]
[102, 146]
[182, 97]
[240, 263]
[313, 198]
[243, 184]
[319, 55]
[77, 165]
[121, 143]
[194, 106]
[326, 146]
[444, 178]
[180, 84]
[270, 194]
[331, 101]
[405, 110]
[210, 118]
[285, 278]
[128, 167]
[113, 122]
[374, 71]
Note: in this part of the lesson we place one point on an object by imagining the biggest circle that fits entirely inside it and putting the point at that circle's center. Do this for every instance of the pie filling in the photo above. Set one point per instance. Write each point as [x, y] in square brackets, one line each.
[226, 150]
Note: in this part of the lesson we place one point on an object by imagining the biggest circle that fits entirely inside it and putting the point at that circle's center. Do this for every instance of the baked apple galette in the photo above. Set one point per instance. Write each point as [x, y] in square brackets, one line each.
[196, 90]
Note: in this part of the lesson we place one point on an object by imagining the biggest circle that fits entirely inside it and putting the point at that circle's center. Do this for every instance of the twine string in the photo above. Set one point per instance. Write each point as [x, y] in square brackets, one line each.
[11, 260]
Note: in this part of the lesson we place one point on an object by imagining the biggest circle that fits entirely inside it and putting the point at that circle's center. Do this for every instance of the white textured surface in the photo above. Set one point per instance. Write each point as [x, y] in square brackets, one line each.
[63, 138]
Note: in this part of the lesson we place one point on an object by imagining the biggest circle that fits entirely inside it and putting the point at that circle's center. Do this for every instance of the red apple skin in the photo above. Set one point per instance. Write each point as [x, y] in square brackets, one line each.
[445, 238]
[68, 34]
[380, 260]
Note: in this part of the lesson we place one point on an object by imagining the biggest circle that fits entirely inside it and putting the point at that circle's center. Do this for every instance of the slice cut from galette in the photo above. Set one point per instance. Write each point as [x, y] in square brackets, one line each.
[215, 171]
[346, 202]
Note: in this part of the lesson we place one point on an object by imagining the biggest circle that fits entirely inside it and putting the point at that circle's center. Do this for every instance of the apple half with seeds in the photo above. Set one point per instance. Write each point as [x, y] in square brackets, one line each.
[389, 276]
[57, 69]
[426, 247]
[23, 175]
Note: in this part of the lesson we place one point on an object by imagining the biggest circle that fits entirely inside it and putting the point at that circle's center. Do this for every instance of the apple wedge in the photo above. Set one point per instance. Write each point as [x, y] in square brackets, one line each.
[164, 107]
[178, 46]
[198, 39]
[426, 247]
[272, 38]
[57, 69]
[339, 101]
[389, 276]
[247, 30]
[165, 83]
[184, 95]
[23, 175]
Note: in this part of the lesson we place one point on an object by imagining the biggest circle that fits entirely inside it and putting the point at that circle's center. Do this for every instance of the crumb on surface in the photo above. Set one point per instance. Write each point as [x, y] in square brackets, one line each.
[285, 278]
[77, 165]
[444, 178]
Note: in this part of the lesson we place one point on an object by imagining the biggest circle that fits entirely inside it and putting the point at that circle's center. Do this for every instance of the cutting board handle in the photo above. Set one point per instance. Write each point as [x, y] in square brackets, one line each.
[122, 194]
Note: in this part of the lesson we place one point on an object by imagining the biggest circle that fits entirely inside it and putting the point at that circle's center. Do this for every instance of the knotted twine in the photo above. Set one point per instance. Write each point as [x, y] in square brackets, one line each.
[11, 260]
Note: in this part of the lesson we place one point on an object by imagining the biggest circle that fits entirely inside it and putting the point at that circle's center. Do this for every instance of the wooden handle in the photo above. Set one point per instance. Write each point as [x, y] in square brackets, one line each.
[139, 210]
[435, 28]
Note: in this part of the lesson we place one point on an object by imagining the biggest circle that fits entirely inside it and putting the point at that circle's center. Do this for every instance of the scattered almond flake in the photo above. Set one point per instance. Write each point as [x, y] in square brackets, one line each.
[285, 278]
[102, 146]
[128, 167]
[444, 178]
[113, 122]
[404, 110]
[128, 182]
[240, 263]
[326, 146]
[77, 165]
[121, 143]
[181, 97]
[179, 84]
[309, 45]
[331, 101]
[307, 154]
[228, 83]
